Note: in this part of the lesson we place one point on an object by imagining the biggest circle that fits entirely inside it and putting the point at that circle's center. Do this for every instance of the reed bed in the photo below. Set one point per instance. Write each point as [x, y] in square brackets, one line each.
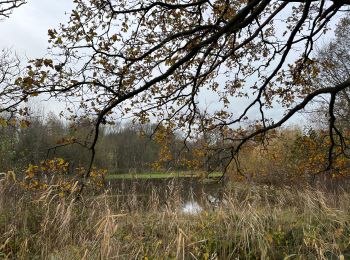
[250, 222]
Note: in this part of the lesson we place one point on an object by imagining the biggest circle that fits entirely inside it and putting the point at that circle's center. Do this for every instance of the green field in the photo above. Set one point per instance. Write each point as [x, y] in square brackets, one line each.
[162, 175]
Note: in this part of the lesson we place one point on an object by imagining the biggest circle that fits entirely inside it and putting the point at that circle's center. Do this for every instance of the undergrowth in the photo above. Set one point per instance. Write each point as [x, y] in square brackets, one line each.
[251, 222]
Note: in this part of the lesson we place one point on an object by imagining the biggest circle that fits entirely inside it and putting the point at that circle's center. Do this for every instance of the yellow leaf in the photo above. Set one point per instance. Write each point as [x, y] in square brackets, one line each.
[24, 123]
[3, 122]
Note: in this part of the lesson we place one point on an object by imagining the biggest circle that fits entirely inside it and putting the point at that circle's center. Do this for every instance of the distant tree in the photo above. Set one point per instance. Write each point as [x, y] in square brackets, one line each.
[333, 112]
[9, 71]
[127, 148]
[334, 62]
[9, 68]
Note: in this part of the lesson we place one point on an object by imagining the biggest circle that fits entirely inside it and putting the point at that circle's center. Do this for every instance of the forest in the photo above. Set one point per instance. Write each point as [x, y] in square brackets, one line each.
[186, 129]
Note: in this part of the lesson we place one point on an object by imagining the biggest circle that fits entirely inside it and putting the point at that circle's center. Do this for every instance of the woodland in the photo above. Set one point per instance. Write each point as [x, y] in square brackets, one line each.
[249, 98]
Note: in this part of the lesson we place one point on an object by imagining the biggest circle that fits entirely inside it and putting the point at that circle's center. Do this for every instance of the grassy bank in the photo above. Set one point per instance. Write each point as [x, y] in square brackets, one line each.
[163, 175]
[251, 223]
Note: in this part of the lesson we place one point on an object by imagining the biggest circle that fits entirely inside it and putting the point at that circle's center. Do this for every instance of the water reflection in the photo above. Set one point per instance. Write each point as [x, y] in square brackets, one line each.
[192, 194]
[191, 207]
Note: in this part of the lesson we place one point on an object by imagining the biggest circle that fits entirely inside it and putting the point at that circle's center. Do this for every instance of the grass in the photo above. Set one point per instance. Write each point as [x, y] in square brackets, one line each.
[160, 175]
[252, 222]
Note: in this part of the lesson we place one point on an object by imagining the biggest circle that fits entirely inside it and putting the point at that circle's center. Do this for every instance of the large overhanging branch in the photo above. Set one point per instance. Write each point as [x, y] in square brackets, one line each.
[238, 143]
[238, 19]
[7, 7]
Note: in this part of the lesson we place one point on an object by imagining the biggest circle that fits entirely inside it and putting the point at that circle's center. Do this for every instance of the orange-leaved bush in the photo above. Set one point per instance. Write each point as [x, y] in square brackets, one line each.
[57, 175]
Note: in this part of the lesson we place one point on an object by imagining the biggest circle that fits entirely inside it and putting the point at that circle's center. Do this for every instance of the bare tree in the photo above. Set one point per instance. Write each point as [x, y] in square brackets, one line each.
[9, 71]
[334, 64]
[9, 62]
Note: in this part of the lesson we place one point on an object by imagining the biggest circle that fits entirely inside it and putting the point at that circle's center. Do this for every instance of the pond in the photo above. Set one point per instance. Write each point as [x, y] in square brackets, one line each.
[192, 193]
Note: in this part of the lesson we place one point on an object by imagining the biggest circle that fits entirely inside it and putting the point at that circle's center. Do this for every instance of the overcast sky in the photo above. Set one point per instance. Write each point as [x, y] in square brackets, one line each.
[25, 32]
[26, 29]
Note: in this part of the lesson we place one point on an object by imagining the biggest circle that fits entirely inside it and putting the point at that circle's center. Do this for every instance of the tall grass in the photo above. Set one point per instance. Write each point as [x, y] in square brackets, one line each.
[252, 222]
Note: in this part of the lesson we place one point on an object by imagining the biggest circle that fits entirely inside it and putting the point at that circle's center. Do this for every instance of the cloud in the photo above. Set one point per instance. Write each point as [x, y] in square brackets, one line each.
[26, 30]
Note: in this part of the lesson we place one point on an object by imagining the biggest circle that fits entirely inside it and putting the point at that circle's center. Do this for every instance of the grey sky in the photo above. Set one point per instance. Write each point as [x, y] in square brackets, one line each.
[26, 29]
[25, 32]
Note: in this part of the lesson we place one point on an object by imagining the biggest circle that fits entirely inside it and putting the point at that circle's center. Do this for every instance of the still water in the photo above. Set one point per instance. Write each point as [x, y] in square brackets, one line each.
[192, 194]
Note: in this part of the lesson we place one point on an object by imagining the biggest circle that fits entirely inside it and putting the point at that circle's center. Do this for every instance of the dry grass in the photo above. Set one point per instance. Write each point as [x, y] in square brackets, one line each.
[251, 223]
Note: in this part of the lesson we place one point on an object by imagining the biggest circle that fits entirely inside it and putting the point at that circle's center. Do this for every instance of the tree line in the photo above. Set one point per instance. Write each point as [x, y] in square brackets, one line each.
[122, 148]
